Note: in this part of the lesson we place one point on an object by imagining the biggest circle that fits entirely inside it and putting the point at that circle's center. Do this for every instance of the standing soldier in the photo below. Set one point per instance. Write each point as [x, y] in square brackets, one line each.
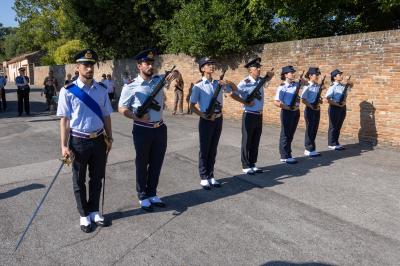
[252, 116]
[177, 84]
[311, 114]
[84, 108]
[209, 127]
[149, 132]
[50, 88]
[290, 115]
[23, 90]
[336, 96]
[3, 82]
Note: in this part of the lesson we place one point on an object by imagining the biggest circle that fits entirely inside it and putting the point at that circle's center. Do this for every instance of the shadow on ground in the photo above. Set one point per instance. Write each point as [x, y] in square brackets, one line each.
[273, 175]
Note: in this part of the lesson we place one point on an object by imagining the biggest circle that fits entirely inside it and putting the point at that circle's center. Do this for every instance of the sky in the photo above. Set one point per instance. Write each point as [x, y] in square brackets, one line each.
[7, 14]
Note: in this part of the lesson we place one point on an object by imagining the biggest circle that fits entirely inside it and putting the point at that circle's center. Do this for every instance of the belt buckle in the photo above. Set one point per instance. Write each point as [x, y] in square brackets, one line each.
[92, 135]
[156, 125]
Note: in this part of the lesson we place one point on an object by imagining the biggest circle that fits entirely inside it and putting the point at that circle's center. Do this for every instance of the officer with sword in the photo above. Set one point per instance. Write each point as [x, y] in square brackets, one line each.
[85, 108]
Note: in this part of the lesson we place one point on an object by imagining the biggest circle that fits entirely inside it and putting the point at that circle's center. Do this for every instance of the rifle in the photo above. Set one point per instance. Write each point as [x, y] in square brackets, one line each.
[344, 94]
[315, 104]
[296, 93]
[256, 94]
[150, 102]
[64, 161]
[214, 102]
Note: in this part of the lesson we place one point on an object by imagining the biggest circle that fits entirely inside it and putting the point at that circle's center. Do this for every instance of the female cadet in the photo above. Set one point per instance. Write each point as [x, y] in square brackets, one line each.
[336, 96]
[312, 112]
[290, 114]
[209, 127]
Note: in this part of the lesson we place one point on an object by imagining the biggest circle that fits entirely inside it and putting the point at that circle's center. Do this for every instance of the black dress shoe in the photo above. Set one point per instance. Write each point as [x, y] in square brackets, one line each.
[103, 223]
[86, 228]
[147, 208]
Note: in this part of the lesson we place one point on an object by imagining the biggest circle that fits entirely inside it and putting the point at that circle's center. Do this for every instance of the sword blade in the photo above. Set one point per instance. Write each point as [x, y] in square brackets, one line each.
[21, 238]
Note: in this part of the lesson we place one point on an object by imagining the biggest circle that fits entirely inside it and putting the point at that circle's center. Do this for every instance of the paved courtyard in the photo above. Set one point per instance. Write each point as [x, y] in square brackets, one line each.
[342, 208]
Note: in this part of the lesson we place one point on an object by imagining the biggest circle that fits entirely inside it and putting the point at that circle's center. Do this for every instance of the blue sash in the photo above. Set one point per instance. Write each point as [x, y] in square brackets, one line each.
[86, 99]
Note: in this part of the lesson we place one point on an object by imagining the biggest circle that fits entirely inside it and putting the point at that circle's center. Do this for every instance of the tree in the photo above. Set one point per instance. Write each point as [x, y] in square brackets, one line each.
[202, 28]
[45, 25]
[120, 28]
[4, 33]
[65, 53]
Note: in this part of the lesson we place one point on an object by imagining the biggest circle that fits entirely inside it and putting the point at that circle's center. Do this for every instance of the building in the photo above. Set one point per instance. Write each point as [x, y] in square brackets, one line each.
[27, 60]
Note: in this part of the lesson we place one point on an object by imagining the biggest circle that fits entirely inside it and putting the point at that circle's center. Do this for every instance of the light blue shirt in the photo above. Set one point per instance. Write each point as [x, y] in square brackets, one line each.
[3, 81]
[135, 93]
[335, 92]
[81, 117]
[310, 92]
[245, 87]
[22, 81]
[286, 92]
[203, 91]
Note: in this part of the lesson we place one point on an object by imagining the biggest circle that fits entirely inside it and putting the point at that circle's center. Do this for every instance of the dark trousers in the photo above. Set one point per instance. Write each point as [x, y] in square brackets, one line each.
[312, 122]
[49, 97]
[209, 133]
[289, 121]
[251, 134]
[150, 145]
[336, 118]
[178, 101]
[3, 99]
[23, 101]
[89, 153]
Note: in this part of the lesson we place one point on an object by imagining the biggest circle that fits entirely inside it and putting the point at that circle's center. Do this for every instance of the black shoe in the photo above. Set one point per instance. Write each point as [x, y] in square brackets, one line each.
[216, 184]
[86, 228]
[103, 223]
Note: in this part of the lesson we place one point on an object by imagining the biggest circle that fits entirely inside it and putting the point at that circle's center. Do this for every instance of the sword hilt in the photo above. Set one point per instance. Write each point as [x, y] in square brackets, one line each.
[67, 160]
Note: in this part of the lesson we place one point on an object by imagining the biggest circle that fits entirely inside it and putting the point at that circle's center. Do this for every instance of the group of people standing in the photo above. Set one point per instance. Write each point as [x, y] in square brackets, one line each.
[86, 131]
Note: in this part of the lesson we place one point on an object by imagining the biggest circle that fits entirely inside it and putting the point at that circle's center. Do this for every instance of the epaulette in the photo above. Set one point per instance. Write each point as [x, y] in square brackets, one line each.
[247, 80]
[102, 84]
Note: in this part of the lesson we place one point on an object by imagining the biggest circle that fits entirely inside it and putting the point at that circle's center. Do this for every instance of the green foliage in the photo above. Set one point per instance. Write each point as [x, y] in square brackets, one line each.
[121, 28]
[4, 32]
[45, 25]
[65, 53]
[205, 28]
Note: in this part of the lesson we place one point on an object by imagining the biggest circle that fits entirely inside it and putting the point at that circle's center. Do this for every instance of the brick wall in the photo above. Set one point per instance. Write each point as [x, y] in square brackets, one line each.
[372, 59]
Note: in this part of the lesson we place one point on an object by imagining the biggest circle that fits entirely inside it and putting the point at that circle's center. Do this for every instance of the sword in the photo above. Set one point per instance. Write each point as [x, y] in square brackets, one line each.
[67, 161]
[104, 186]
